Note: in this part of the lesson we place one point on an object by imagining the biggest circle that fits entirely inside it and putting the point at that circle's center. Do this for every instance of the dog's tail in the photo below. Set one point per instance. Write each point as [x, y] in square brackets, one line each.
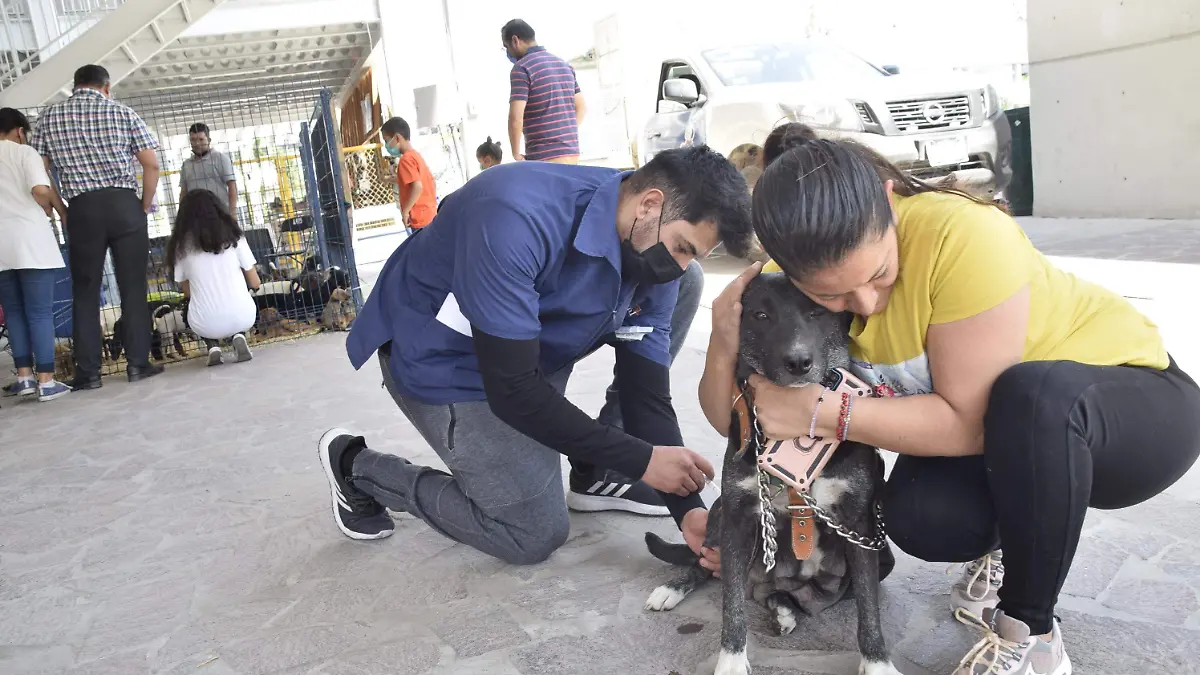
[676, 554]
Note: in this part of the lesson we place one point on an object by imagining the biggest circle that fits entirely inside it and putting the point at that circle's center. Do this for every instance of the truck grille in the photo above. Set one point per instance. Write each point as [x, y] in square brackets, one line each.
[864, 113]
[929, 114]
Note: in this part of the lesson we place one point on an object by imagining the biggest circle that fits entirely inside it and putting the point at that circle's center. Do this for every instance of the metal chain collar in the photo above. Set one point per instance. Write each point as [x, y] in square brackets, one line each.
[875, 543]
[766, 518]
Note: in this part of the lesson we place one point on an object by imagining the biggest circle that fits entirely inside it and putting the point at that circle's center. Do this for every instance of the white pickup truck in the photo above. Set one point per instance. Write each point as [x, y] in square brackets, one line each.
[932, 127]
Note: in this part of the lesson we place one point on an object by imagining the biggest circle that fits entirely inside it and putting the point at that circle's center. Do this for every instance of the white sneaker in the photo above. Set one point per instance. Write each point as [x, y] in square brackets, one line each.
[979, 587]
[215, 356]
[1007, 648]
[242, 347]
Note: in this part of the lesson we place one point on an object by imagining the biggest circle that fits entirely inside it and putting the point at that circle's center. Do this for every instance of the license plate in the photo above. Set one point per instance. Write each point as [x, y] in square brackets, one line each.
[946, 152]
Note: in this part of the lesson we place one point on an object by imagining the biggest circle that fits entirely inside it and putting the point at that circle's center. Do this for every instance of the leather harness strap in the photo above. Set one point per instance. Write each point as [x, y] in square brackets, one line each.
[804, 530]
[744, 427]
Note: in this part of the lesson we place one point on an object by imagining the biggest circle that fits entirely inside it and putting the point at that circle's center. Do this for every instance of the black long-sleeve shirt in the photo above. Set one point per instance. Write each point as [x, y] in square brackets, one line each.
[520, 396]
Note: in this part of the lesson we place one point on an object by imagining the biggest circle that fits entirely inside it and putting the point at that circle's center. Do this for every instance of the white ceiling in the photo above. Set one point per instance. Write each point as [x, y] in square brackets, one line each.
[246, 79]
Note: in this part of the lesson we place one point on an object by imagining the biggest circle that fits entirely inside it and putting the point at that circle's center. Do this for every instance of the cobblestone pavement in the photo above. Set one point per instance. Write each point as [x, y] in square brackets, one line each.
[190, 533]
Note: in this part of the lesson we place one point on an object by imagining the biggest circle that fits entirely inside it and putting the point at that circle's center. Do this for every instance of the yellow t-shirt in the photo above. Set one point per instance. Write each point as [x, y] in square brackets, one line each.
[958, 259]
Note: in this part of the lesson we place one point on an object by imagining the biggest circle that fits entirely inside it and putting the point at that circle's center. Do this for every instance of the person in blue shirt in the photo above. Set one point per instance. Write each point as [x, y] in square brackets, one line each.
[478, 320]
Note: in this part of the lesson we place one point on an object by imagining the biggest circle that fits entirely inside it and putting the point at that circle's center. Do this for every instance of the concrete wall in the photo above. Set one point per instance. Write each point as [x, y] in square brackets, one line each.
[1115, 108]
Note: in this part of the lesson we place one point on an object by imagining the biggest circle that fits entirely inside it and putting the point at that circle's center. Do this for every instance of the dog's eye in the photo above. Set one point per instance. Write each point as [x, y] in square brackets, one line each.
[761, 316]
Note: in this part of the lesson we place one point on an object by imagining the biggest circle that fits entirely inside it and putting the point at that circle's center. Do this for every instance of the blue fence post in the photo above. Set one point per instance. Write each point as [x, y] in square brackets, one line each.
[312, 189]
[335, 165]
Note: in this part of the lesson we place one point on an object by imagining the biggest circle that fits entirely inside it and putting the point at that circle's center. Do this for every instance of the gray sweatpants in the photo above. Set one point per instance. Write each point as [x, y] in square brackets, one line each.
[504, 493]
[505, 496]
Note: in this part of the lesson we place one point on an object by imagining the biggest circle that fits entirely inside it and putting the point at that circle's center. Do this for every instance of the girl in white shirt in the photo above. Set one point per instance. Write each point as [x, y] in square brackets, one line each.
[29, 259]
[213, 263]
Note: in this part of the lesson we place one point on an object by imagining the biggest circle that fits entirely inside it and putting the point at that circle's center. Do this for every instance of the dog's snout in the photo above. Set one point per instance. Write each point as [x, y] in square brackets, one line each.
[798, 361]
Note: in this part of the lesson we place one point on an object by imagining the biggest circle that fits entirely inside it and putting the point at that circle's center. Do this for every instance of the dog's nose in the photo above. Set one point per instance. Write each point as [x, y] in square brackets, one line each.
[798, 362]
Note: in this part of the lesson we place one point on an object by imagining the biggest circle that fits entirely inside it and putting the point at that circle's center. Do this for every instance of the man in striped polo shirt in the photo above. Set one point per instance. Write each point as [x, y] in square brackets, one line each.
[545, 104]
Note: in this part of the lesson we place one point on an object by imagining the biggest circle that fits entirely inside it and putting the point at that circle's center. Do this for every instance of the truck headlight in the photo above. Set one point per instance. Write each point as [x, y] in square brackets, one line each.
[991, 101]
[838, 115]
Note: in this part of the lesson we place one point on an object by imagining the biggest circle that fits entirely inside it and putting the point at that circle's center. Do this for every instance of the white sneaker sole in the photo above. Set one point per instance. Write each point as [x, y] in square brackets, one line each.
[596, 503]
[215, 357]
[323, 452]
[1063, 668]
[242, 348]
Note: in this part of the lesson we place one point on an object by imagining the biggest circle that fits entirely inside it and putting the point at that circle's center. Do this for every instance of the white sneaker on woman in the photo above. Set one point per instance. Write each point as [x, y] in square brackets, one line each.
[1007, 648]
[979, 587]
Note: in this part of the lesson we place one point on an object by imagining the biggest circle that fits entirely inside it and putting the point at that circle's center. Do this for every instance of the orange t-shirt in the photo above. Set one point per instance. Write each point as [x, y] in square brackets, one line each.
[413, 168]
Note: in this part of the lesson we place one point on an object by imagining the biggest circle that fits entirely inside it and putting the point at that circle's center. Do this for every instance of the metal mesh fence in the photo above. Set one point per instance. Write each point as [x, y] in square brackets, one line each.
[370, 179]
[267, 134]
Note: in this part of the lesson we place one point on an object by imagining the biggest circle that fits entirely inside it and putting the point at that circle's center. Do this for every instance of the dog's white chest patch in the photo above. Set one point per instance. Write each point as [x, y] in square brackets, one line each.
[828, 491]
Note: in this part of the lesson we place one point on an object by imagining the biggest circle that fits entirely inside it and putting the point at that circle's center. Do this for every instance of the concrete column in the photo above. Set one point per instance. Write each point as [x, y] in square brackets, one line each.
[44, 19]
[1115, 122]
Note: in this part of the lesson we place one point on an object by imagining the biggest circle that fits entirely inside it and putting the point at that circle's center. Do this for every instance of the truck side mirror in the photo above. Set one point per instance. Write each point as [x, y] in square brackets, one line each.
[681, 90]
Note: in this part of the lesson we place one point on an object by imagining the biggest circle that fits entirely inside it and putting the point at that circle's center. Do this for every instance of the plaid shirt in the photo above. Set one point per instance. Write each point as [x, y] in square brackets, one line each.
[91, 140]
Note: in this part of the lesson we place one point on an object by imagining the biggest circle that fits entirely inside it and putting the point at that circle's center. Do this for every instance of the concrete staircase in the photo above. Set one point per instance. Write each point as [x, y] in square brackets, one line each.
[121, 40]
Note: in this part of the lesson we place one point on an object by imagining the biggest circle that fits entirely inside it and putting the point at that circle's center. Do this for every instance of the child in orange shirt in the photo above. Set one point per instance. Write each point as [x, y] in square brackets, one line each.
[418, 192]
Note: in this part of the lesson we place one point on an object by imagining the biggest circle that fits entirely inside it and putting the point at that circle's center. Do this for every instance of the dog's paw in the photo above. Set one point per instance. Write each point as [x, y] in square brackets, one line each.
[877, 668]
[732, 663]
[785, 620]
[664, 598]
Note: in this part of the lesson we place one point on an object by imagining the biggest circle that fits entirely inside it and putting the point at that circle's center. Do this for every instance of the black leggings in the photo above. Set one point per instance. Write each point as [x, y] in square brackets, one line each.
[1059, 436]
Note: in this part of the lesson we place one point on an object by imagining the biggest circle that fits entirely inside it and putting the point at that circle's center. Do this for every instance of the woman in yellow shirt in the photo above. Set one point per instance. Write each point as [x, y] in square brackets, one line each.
[1016, 395]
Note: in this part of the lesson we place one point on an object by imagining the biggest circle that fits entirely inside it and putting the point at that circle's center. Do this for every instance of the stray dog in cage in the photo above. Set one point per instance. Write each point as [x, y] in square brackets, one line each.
[272, 324]
[64, 362]
[167, 327]
[339, 311]
[790, 340]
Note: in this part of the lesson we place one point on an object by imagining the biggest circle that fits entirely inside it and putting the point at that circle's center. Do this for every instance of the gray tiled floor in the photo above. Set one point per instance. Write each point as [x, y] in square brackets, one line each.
[181, 526]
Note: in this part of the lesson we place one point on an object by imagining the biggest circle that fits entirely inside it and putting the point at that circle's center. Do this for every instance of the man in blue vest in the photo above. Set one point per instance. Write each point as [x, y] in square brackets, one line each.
[478, 321]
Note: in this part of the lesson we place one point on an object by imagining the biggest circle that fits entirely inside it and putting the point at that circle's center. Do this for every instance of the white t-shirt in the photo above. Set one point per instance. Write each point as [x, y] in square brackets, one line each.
[220, 305]
[26, 237]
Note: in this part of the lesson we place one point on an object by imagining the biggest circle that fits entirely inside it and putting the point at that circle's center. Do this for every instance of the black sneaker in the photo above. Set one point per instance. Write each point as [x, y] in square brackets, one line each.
[356, 513]
[607, 490]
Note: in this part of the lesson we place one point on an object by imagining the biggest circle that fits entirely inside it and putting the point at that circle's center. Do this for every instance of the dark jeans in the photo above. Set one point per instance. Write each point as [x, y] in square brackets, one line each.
[97, 221]
[1059, 436]
[27, 297]
[691, 285]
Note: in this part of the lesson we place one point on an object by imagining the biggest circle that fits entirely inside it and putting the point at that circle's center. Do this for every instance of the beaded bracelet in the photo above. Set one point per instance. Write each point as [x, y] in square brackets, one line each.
[843, 416]
[812, 427]
[844, 424]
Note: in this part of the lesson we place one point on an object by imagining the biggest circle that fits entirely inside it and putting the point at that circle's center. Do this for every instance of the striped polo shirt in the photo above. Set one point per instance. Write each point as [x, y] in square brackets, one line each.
[547, 85]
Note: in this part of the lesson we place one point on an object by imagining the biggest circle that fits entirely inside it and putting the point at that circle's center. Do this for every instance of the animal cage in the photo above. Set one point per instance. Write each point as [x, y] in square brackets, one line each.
[291, 204]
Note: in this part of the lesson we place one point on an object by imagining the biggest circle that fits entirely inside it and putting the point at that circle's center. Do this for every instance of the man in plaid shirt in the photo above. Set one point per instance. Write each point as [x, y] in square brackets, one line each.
[91, 142]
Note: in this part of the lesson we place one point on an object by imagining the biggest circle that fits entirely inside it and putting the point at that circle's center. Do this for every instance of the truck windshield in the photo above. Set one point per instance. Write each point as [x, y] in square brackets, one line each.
[764, 64]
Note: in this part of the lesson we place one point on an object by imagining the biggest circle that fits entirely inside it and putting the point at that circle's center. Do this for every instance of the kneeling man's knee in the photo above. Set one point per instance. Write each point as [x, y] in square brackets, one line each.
[533, 543]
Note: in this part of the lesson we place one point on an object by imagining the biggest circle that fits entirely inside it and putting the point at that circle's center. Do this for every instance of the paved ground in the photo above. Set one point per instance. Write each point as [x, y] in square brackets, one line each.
[182, 526]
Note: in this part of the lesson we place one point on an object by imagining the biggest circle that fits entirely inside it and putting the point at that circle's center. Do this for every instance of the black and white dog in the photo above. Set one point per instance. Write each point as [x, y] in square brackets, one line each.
[791, 340]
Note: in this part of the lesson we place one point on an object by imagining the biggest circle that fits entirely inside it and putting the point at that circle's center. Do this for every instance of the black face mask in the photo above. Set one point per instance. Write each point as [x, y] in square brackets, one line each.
[652, 266]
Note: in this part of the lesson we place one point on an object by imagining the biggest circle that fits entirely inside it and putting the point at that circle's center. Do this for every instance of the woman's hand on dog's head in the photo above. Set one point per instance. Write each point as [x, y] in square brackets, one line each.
[727, 314]
[787, 412]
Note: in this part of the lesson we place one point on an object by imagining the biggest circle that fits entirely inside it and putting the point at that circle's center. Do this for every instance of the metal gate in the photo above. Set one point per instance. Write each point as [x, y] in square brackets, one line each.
[326, 192]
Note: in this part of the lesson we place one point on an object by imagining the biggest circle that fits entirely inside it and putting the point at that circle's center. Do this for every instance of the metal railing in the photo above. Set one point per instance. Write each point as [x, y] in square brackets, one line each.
[87, 13]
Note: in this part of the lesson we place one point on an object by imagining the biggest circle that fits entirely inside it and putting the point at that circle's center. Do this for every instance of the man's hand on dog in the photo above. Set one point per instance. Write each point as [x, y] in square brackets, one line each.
[695, 527]
[677, 470]
[727, 314]
[787, 412]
